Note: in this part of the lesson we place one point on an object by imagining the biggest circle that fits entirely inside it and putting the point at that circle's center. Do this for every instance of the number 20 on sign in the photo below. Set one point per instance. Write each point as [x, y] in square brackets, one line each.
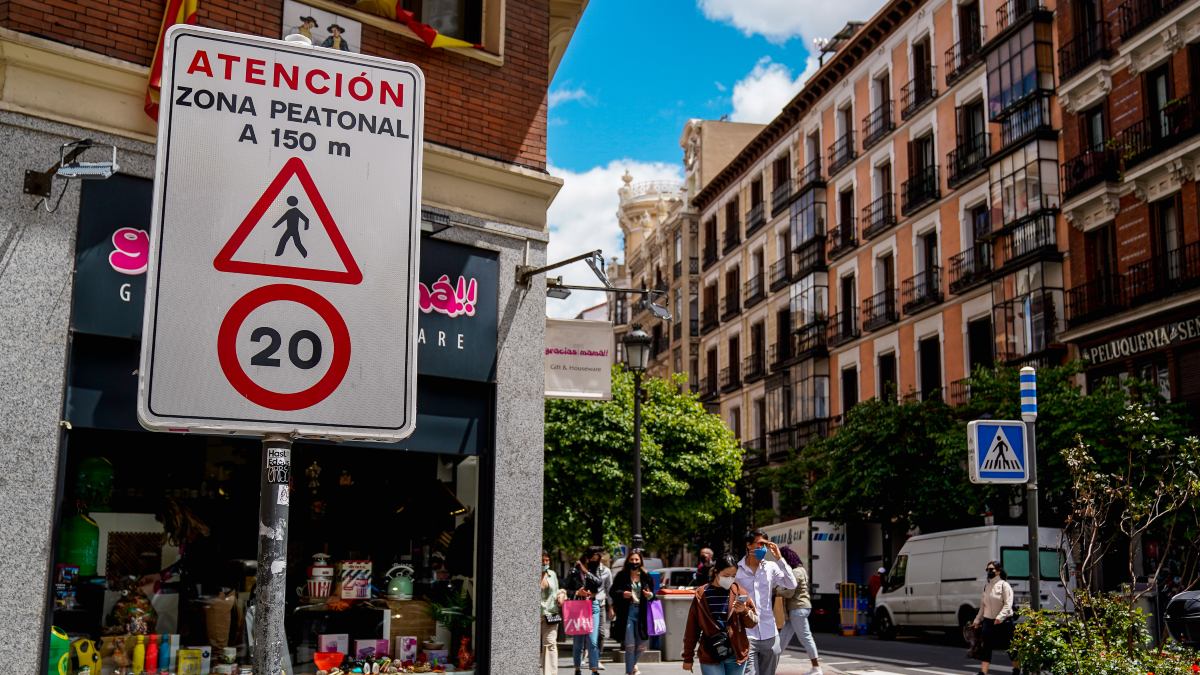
[284, 250]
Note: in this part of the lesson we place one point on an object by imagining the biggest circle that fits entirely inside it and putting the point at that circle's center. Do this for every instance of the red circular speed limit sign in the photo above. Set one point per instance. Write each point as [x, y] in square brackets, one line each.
[236, 373]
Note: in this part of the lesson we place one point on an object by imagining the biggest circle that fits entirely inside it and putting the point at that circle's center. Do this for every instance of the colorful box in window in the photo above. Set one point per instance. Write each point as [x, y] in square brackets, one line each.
[354, 579]
[369, 649]
[406, 648]
[334, 642]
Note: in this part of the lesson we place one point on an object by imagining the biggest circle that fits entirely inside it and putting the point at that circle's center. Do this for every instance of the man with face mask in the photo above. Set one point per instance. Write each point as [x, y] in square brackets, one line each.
[759, 576]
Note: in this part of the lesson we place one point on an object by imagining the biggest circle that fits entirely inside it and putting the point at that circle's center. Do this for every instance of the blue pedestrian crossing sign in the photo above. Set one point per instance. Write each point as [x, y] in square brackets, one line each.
[997, 451]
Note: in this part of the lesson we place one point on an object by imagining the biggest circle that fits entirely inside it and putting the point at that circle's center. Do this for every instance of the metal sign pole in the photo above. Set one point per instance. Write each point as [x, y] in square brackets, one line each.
[270, 643]
[1029, 415]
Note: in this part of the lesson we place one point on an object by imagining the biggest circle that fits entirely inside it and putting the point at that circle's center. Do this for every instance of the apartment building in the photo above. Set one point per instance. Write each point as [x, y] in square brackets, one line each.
[661, 233]
[894, 227]
[1130, 91]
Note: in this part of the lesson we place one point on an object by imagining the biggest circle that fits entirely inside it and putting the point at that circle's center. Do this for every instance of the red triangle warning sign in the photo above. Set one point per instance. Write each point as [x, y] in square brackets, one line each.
[289, 259]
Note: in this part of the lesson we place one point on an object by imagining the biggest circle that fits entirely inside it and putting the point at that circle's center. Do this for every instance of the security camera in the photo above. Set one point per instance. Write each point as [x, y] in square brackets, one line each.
[69, 167]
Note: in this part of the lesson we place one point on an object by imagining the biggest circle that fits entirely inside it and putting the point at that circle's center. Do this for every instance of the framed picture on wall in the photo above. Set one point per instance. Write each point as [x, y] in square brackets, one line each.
[323, 28]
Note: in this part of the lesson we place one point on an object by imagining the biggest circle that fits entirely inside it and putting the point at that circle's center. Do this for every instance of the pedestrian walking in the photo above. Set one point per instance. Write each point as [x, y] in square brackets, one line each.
[632, 588]
[584, 583]
[798, 603]
[875, 583]
[606, 600]
[721, 613]
[703, 566]
[995, 618]
[552, 599]
[760, 575]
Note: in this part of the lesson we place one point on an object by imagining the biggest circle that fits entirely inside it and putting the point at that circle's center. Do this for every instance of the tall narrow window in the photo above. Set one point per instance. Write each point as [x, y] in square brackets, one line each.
[849, 388]
[981, 343]
[931, 368]
[887, 376]
[1169, 236]
[1158, 94]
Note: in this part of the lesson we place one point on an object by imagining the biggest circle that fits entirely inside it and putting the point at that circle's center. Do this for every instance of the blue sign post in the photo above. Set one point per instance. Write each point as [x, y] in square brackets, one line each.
[1029, 415]
[999, 451]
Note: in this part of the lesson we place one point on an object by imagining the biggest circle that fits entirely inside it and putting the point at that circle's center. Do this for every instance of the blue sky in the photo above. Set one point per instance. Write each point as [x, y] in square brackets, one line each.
[633, 75]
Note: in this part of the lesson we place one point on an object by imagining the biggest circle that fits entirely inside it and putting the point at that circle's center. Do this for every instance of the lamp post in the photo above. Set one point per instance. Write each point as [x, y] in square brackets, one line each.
[637, 356]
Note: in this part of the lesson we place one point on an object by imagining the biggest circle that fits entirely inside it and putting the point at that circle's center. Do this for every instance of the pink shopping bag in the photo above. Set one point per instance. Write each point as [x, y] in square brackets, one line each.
[577, 617]
[656, 623]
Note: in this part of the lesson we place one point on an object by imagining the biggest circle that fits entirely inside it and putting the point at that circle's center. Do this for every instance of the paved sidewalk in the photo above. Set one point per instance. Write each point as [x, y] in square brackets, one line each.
[788, 665]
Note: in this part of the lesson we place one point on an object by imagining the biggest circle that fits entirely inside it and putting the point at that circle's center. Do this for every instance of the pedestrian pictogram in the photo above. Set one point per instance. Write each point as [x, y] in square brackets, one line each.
[250, 248]
[997, 451]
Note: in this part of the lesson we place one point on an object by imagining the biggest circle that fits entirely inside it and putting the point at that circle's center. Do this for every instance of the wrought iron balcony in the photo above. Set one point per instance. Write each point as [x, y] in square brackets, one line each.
[754, 453]
[693, 265]
[731, 378]
[809, 257]
[878, 124]
[755, 218]
[708, 386]
[880, 310]
[780, 354]
[694, 327]
[964, 55]
[960, 393]
[842, 153]
[1033, 239]
[879, 216]
[843, 238]
[755, 367]
[810, 175]
[968, 159]
[1026, 120]
[1096, 299]
[1083, 50]
[781, 272]
[753, 290]
[710, 253]
[1028, 326]
[811, 339]
[922, 290]
[1138, 15]
[733, 236]
[710, 318]
[731, 306]
[1164, 274]
[1014, 12]
[1091, 167]
[918, 93]
[780, 195]
[1158, 132]
[970, 268]
[843, 326]
[921, 189]
[780, 444]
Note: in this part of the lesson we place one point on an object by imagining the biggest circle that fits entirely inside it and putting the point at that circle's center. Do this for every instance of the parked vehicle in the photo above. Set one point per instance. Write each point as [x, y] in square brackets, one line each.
[678, 577]
[822, 547]
[937, 578]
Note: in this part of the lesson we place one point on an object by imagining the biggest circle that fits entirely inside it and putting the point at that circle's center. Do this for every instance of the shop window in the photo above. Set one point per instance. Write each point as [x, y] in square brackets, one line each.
[1024, 182]
[1020, 66]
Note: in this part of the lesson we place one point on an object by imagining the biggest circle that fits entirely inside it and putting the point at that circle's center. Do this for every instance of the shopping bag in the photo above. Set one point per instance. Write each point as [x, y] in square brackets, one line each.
[656, 623]
[577, 617]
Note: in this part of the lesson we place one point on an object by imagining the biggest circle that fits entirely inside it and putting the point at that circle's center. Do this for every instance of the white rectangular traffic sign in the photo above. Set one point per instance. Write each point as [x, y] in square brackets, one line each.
[281, 294]
[997, 451]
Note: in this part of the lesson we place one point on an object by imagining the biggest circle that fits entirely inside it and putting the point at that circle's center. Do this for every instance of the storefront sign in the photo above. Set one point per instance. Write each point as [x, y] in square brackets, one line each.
[282, 281]
[579, 359]
[458, 302]
[112, 248]
[1155, 338]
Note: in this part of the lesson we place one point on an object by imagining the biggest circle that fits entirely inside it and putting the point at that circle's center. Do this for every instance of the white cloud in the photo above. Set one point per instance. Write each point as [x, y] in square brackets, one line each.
[760, 95]
[781, 20]
[721, 87]
[583, 218]
[564, 94]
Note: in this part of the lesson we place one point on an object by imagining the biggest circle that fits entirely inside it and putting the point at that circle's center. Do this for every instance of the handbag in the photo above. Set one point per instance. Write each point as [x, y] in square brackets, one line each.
[718, 645]
[656, 623]
[577, 617]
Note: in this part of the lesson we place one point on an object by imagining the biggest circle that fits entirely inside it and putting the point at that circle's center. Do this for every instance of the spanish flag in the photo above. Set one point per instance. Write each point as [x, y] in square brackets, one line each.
[391, 9]
[177, 11]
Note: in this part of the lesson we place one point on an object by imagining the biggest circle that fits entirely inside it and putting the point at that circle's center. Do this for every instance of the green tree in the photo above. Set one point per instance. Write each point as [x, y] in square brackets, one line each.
[690, 464]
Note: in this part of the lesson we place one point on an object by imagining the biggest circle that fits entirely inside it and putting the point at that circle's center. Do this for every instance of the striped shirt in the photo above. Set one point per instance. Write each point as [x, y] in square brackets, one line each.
[717, 599]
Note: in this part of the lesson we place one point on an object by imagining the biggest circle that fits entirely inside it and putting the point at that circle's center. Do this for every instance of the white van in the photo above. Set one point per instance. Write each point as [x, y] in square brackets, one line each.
[937, 579]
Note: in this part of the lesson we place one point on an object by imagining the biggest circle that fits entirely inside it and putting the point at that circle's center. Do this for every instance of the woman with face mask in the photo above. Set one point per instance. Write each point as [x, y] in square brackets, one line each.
[551, 617]
[995, 617]
[717, 621]
[584, 583]
[631, 590]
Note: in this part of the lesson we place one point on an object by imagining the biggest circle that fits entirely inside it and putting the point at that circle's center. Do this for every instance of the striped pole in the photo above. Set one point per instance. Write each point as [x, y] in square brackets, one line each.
[1029, 415]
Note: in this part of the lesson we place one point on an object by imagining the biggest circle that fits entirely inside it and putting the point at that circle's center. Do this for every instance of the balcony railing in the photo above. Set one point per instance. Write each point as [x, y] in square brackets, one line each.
[843, 326]
[755, 367]
[811, 339]
[921, 189]
[710, 254]
[755, 218]
[1029, 240]
[918, 93]
[710, 318]
[960, 393]
[878, 124]
[1138, 15]
[1086, 48]
[841, 153]
[1095, 299]
[809, 257]
[1028, 326]
[1158, 132]
[843, 238]
[753, 290]
[708, 386]
[693, 265]
[780, 195]
[880, 310]
[1164, 274]
[879, 216]
[754, 453]
[1027, 120]
[659, 346]
[970, 268]
[922, 290]
[781, 272]
[968, 159]
[733, 236]
[779, 354]
[1014, 12]
[731, 306]
[1091, 167]
[964, 55]
[810, 175]
[694, 327]
[731, 378]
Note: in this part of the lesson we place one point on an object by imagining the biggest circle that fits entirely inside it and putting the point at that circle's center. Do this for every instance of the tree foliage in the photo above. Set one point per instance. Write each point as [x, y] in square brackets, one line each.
[690, 464]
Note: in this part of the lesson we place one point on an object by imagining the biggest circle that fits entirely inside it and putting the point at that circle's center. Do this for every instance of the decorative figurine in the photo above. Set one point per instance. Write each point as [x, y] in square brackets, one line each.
[465, 658]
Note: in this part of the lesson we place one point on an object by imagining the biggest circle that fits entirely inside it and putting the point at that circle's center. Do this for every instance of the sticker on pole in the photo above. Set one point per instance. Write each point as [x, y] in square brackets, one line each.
[997, 450]
[284, 246]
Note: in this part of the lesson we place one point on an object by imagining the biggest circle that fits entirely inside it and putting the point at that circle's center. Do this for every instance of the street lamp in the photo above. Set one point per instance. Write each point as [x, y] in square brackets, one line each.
[637, 356]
